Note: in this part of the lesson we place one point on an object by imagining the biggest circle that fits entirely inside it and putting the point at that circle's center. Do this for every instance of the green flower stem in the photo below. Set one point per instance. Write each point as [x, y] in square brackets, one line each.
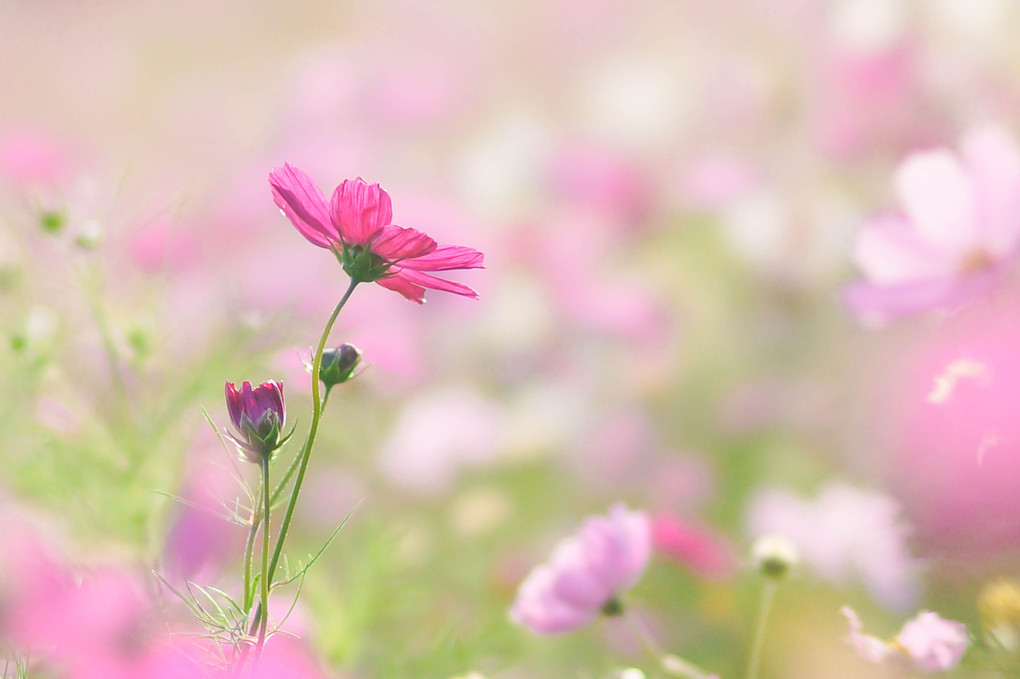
[292, 467]
[767, 597]
[672, 665]
[306, 448]
[249, 549]
[264, 585]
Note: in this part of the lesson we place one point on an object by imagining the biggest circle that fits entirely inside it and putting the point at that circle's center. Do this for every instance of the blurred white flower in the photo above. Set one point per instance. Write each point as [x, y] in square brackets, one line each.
[845, 533]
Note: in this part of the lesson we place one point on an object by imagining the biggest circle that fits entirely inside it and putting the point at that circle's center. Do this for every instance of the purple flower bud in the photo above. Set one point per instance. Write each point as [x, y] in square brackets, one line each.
[338, 364]
[258, 414]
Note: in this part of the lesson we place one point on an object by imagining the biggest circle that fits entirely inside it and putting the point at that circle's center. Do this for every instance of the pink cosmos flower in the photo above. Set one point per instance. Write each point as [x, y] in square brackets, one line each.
[357, 226]
[928, 642]
[957, 234]
[585, 574]
[696, 547]
[258, 415]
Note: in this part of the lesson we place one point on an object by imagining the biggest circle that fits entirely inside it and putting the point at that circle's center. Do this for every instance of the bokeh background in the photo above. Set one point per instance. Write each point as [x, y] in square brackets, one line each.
[666, 193]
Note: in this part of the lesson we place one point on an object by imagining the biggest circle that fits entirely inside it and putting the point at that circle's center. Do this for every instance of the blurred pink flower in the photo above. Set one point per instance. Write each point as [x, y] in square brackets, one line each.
[33, 157]
[202, 538]
[356, 226]
[952, 452]
[868, 99]
[845, 533]
[928, 642]
[585, 574]
[698, 548]
[424, 453]
[956, 237]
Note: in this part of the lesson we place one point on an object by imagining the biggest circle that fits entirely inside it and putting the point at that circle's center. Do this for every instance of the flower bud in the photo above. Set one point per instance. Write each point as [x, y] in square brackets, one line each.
[258, 414]
[338, 364]
[774, 556]
[90, 234]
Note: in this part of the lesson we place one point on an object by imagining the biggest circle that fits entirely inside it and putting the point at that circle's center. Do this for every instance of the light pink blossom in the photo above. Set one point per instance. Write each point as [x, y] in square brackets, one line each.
[357, 226]
[928, 642]
[844, 534]
[957, 234]
[586, 572]
[696, 547]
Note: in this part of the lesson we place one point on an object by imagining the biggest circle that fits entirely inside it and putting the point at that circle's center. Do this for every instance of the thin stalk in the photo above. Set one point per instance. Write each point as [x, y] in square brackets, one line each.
[249, 549]
[292, 467]
[767, 597]
[306, 448]
[672, 664]
[264, 594]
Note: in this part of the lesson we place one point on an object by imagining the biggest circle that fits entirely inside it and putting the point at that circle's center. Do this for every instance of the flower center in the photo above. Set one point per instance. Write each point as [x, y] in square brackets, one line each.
[975, 261]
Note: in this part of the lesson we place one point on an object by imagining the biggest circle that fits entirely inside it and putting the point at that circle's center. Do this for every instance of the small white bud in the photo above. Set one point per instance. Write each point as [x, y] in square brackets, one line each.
[774, 556]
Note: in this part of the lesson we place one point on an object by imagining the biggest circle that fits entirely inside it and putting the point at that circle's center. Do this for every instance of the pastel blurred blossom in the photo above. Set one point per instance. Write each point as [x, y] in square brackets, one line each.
[928, 642]
[201, 537]
[696, 547]
[425, 453]
[33, 157]
[357, 226]
[842, 534]
[595, 177]
[586, 573]
[956, 237]
[951, 450]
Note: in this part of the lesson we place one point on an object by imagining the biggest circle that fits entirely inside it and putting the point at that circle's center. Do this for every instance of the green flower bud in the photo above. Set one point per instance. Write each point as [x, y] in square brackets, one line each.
[338, 365]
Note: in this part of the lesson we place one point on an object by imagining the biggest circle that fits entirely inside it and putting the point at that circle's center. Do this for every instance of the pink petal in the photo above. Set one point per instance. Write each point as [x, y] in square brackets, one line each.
[446, 259]
[427, 281]
[395, 243]
[635, 532]
[877, 305]
[888, 250]
[938, 197]
[360, 210]
[398, 282]
[303, 203]
[934, 643]
[868, 647]
[993, 160]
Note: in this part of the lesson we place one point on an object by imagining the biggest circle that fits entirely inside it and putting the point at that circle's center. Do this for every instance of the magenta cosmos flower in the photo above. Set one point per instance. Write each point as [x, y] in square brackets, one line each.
[955, 237]
[258, 415]
[357, 226]
[585, 574]
[928, 642]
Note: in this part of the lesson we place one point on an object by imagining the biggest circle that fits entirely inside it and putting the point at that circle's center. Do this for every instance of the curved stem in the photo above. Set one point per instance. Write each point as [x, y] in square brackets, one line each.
[292, 467]
[672, 664]
[306, 448]
[282, 483]
[767, 597]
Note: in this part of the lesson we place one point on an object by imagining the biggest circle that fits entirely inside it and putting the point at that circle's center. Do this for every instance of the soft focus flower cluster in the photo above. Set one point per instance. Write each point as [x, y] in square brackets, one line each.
[749, 266]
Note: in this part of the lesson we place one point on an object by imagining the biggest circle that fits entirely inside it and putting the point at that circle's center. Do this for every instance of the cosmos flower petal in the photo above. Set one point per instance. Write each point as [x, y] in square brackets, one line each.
[877, 305]
[395, 243]
[938, 197]
[400, 283]
[446, 259]
[303, 203]
[360, 210]
[993, 160]
[888, 250]
[428, 281]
